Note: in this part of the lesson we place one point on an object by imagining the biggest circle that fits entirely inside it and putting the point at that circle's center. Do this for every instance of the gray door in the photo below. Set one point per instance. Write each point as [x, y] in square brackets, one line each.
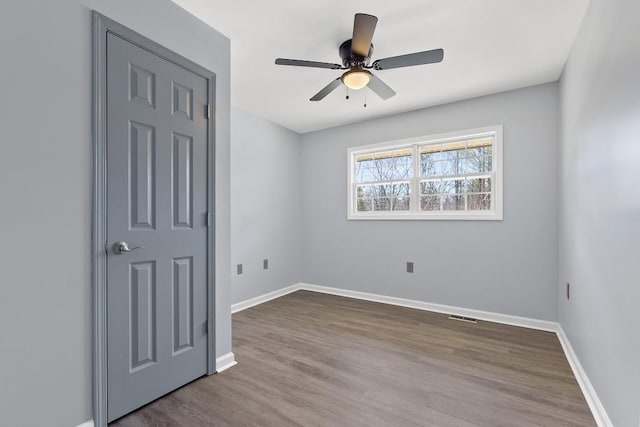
[157, 205]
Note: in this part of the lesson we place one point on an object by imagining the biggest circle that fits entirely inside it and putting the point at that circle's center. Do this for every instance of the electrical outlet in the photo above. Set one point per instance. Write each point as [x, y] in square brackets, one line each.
[568, 290]
[409, 267]
[239, 268]
[265, 264]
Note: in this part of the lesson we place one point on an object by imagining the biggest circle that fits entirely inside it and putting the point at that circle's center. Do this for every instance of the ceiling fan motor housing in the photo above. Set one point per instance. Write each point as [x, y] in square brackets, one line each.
[350, 59]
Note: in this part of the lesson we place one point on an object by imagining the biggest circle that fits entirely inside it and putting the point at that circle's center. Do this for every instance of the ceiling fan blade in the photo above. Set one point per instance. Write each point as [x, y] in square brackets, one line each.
[326, 90]
[363, 27]
[380, 88]
[418, 58]
[313, 64]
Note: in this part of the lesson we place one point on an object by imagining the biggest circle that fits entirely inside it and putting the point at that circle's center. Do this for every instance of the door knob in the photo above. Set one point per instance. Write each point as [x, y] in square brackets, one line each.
[122, 247]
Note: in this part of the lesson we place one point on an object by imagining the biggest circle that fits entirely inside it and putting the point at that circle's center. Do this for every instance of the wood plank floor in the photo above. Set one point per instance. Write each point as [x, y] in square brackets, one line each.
[309, 359]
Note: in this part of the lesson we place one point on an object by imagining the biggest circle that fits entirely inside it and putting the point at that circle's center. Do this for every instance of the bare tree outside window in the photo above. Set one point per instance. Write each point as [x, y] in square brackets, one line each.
[384, 180]
[456, 175]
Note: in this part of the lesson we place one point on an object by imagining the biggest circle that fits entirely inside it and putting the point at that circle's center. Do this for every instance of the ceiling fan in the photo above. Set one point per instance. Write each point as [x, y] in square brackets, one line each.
[356, 55]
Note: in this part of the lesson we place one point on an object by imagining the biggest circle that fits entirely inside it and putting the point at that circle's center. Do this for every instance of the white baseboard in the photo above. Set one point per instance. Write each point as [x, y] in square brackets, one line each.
[525, 322]
[225, 362]
[86, 424]
[243, 305]
[590, 395]
[597, 409]
[507, 319]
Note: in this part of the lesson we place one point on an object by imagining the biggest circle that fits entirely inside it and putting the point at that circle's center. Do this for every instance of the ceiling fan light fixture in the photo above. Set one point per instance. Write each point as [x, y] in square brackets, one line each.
[356, 79]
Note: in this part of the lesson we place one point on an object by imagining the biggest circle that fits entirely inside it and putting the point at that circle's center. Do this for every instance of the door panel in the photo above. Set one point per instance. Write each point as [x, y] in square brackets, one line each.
[142, 313]
[157, 203]
[142, 150]
[182, 303]
[182, 188]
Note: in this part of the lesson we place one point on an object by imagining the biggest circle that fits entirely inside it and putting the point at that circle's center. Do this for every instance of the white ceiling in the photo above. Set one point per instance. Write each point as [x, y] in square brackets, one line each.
[490, 46]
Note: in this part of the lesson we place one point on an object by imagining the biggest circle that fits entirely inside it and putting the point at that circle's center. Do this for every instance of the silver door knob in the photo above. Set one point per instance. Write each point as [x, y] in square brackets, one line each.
[121, 247]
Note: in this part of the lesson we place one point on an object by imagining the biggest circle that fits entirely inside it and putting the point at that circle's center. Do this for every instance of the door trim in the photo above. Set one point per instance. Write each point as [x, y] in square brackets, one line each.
[101, 27]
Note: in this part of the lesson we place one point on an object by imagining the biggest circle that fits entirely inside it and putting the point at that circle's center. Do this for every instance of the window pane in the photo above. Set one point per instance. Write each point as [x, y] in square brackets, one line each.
[401, 203]
[430, 187]
[383, 169]
[363, 165]
[452, 186]
[364, 205]
[383, 190]
[430, 203]
[479, 202]
[448, 163]
[478, 160]
[384, 165]
[381, 204]
[478, 185]
[364, 191]
[401, 189]
[449, 167]
[456, 158]
[402, 195]
[364, 173]
[453, 202]
[429, 166]
[403, 168]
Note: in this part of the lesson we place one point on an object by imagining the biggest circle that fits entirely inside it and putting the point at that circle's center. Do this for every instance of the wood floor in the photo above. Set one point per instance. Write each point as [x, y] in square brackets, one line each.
[310, 359]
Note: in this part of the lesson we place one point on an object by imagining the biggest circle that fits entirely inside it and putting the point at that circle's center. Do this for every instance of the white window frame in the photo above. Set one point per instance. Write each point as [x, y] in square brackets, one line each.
[494, 214]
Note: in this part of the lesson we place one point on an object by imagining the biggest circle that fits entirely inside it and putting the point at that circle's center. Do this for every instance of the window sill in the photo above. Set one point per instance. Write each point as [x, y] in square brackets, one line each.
[474, 216]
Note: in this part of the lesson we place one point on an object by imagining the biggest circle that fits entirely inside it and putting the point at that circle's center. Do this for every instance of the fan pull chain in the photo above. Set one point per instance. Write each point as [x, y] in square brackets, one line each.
[365, 100]
[347, 97]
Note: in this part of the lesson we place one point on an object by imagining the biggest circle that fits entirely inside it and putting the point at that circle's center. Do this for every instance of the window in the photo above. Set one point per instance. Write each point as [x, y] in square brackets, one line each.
[453, 176]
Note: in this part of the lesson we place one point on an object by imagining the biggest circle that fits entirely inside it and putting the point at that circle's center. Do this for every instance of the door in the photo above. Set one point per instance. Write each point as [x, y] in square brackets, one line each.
[156, 226]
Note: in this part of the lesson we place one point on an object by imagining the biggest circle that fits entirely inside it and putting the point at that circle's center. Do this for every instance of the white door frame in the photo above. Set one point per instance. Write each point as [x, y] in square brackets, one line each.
[101, 26]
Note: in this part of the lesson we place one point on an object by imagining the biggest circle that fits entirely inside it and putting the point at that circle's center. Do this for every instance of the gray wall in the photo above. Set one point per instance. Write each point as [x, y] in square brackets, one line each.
[45, 308]
[266, 205]
[507, 266]
[600, 204]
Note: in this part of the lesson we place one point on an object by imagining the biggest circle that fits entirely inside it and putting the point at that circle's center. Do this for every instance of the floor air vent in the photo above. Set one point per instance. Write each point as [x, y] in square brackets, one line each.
[463, 318]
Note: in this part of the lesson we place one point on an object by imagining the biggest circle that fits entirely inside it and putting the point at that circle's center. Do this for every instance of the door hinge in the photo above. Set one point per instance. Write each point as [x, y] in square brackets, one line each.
[208, 219]
[208, 111]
